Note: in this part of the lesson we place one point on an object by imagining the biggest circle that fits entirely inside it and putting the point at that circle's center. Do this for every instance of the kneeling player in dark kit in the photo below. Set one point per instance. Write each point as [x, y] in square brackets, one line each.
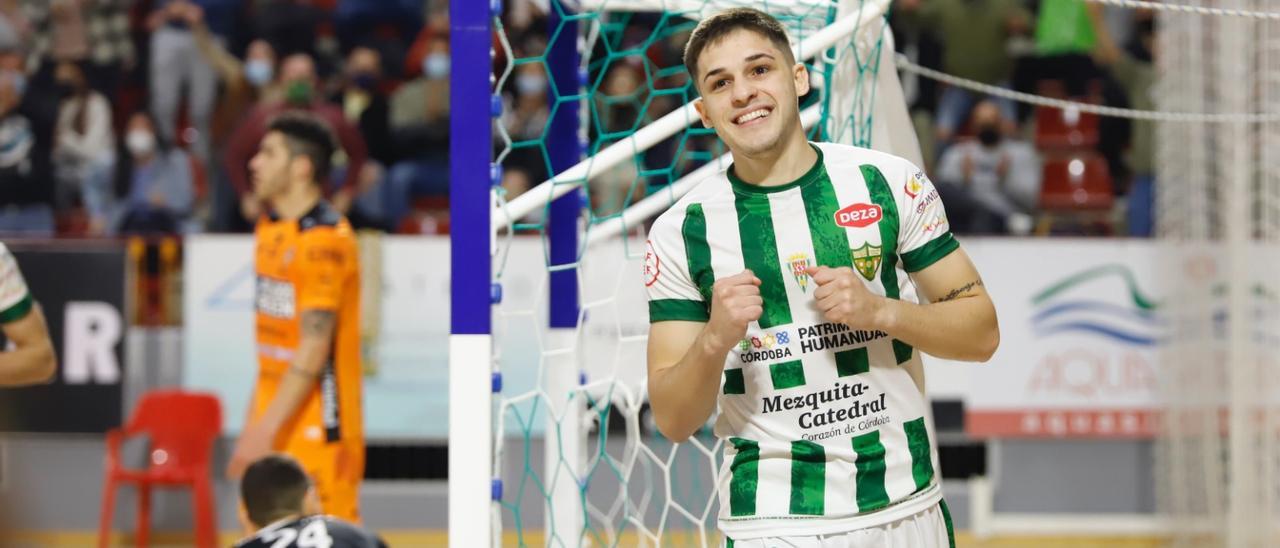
[280, 505]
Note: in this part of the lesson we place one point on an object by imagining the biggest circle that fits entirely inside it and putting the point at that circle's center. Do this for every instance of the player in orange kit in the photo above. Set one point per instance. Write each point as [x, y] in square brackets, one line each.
[307, 402]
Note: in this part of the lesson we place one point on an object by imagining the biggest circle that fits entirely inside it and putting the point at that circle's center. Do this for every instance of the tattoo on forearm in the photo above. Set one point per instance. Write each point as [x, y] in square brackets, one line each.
[961, 290]
[318, 322]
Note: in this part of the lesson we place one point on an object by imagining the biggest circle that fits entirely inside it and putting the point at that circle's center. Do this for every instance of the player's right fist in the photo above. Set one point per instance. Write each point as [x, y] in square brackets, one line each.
[735, 303]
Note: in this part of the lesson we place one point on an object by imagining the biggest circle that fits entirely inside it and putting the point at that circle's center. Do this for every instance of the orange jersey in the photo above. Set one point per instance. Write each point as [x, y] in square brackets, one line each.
[311, 264]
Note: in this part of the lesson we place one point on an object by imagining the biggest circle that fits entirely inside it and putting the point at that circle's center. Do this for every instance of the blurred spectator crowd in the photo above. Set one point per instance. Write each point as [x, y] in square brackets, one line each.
[140, 116]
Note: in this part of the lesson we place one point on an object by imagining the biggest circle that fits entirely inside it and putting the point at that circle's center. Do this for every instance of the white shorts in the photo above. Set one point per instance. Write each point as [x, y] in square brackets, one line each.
[930, 528]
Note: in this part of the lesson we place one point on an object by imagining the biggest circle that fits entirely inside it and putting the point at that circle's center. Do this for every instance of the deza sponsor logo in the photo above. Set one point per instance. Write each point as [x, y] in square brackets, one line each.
[1099, 328]
[859, 215]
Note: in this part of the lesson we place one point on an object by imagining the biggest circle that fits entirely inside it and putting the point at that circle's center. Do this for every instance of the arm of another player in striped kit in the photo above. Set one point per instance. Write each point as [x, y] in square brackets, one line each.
[32, 360]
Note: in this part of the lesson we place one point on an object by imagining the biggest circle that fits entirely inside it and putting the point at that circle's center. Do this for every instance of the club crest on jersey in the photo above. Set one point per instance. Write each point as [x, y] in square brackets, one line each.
[859, 215]
[866, 260]
[799, 262]
[913, 186]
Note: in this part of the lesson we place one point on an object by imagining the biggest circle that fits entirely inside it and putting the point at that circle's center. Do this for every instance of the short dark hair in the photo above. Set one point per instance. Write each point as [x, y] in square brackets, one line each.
[715, 28]
[307, 135]
[273, 487]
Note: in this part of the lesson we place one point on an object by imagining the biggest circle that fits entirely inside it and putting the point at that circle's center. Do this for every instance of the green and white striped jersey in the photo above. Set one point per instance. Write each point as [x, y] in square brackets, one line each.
[15, 299]
[827, 428]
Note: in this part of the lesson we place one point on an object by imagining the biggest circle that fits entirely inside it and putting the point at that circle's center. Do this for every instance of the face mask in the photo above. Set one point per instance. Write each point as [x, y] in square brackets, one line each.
[298, 93]
[530, 84]
[140, 143]
[364, 80]
[63, 87]
[258, 72]
[436, 66]
[989, 136]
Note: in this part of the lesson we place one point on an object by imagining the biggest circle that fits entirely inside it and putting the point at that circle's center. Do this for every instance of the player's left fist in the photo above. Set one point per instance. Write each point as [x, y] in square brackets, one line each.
[842, 297]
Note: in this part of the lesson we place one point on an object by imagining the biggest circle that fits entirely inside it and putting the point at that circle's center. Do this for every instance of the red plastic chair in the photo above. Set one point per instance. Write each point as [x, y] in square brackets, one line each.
[181, 427]
[1065, 128]
[1076, 183]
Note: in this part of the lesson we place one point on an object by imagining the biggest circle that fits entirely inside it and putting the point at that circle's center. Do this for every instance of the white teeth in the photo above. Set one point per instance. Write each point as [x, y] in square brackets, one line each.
[761, 113]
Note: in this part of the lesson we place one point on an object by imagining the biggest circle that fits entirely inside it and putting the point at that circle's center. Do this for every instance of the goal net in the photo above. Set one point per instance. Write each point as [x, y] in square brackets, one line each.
[576, 458]
[1218, 224]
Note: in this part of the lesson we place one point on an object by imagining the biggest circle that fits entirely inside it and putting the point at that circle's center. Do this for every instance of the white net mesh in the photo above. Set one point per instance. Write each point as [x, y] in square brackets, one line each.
[1218, 195]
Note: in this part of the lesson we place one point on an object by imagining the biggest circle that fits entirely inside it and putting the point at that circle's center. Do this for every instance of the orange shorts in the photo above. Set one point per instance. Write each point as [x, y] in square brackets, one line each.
[336, 469]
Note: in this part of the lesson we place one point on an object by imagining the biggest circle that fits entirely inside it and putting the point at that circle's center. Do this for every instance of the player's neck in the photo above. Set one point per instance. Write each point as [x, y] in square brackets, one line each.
[287, 519]
[777, 166]
[297, 201]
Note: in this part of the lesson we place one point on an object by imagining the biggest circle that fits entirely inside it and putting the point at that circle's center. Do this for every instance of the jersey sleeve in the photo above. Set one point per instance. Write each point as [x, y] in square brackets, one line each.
[325, 258]
[672, 294]
[924, 236]
[15, 298]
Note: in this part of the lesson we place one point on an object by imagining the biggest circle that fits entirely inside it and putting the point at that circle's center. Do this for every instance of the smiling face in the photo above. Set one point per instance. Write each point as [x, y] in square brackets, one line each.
[750, 92]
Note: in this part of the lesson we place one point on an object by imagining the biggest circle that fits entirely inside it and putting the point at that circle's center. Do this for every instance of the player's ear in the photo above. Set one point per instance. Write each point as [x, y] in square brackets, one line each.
[299, 166]
[245, 522]
[801, 75]
[702, 113]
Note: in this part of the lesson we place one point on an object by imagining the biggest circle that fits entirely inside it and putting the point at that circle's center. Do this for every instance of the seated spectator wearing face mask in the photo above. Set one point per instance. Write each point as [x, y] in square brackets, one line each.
[148, 189]
[83, 135]
[420, 133]
[990, 185]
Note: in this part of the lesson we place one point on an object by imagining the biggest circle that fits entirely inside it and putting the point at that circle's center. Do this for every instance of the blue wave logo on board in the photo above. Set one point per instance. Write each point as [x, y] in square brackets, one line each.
[1064, 307]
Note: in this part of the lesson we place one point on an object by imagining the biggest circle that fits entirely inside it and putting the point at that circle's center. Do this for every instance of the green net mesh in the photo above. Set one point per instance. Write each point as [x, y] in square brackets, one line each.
[579, 459]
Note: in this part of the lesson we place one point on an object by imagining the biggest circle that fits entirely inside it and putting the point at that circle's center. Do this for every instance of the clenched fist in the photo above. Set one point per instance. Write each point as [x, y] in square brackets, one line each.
[735, 303]
[842, 298]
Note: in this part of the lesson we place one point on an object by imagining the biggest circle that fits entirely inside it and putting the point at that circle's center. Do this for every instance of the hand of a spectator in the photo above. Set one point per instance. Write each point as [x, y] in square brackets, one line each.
[967, 168]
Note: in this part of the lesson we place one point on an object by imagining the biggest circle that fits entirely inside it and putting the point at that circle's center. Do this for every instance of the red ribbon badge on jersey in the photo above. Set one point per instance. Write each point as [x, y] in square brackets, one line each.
[651, 264]
[859, 215]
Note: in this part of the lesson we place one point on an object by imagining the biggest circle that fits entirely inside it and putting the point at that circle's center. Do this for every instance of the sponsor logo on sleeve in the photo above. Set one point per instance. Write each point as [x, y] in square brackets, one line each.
[914, 185]
[927, 201]
[652, 266]
[938, 223]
